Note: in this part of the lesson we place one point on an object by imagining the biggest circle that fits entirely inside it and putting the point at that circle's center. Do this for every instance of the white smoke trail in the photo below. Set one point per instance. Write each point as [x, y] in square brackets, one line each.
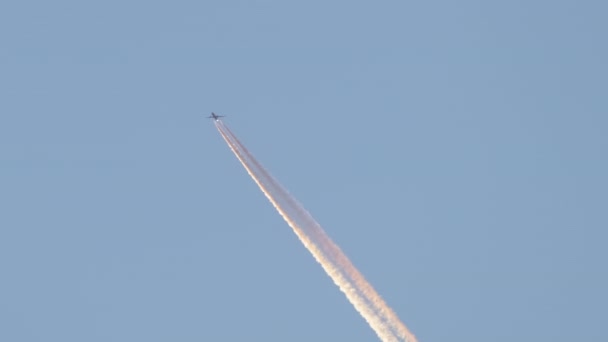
[351, 282]
[381, 330]
[336, 253]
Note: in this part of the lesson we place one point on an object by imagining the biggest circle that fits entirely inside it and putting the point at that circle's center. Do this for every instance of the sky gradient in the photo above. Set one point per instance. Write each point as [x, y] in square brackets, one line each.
[456, 152]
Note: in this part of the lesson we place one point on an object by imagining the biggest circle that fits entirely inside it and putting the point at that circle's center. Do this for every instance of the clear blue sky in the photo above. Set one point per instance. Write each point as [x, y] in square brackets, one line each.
[456, 151]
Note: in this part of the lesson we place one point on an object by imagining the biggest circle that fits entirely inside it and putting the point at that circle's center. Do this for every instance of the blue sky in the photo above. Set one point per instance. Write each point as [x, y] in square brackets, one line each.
[456, 151]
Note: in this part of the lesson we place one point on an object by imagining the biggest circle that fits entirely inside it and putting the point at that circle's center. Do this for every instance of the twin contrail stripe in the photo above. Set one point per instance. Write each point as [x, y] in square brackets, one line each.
[349, 280]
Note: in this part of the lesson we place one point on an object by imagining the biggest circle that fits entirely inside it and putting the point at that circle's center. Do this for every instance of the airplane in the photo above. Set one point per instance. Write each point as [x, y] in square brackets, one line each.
[215, 116]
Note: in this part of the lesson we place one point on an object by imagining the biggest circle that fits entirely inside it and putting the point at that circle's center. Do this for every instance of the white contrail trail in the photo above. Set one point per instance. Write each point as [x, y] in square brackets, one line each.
[375, 322]
[336, 253]
[359, 292]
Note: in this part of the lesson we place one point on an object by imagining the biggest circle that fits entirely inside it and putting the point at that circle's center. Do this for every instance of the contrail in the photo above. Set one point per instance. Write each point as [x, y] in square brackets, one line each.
[339, 279]
[351, 282]
[322, 239]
